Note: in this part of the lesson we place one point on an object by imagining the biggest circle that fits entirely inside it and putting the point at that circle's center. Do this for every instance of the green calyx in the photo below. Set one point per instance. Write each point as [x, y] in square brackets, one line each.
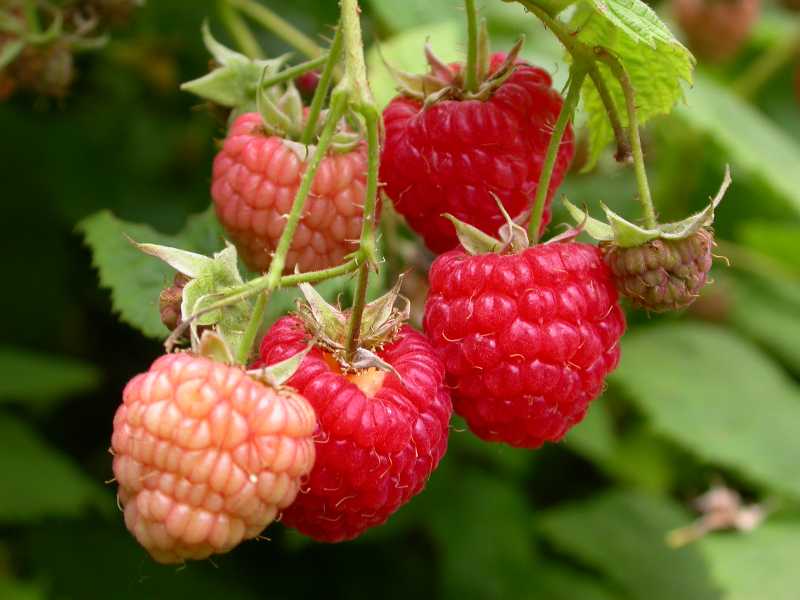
[444, 82]
[512, 237]
[328, 324]
[625, 234]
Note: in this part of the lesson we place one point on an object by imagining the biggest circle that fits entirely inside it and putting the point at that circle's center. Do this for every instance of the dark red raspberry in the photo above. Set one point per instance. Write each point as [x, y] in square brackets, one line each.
[527, 339]
[662, 275]
[716, 29]
[379, 435]
[452, 156]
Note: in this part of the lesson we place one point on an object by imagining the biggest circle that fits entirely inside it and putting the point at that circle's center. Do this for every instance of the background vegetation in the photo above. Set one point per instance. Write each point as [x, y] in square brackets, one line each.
[710, 395]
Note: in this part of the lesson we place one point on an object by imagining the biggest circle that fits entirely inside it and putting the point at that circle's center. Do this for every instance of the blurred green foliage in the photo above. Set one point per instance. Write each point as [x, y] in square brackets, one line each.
[712, 393]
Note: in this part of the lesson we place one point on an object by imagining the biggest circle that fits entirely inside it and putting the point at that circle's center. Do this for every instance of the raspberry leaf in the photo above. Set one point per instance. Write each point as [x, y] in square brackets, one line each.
[657, 63]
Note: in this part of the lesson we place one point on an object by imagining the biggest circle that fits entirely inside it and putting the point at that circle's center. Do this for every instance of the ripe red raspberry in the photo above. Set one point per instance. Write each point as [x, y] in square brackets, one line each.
[379, 435]
[662, 275]
[716, 29]
[527, 339]
[452, 156]
[205, 456]
[254, 182]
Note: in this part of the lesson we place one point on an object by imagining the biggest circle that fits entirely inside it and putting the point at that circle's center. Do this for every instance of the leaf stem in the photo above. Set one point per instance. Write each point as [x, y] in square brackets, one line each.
[273, 277]
[578, 73]
[238, 29]
[284, 30]
[623, 153]
[471, 68]
[322, 88]
[621, 74]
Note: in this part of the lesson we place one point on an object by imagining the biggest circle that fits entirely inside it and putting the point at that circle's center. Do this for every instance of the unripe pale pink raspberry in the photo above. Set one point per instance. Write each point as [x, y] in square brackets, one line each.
[205, 456]
[255, 180]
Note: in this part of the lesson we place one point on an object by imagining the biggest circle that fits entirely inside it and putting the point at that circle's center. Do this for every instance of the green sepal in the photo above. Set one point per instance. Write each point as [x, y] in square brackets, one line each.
[214, 346]
[473, 239]
[512, 234]
[10, 51]
[626, 234]
[278, 374]
[235, 82]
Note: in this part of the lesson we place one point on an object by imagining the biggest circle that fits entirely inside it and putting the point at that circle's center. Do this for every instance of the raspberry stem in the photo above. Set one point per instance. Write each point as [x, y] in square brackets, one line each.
[578, 73]
[273, 277]
[284, 30]
[32, 17]
[471, 68]
[239, 31]
[322, 88]
[621, 74]
[623, 153]
[295, 71]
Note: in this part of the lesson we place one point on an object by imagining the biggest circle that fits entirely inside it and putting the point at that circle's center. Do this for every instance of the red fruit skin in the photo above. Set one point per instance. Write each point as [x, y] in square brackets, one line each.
[205, 456]
[255, 179]
[374, 451]
[527, 339]
[452, 157]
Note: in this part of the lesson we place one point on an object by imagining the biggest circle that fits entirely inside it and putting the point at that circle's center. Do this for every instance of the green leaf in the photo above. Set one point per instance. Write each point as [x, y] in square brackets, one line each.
[38, 480]
[655, 61]
[134, 279]
[405, 52]
[555, 581]
[13, 589]
[758, 564]
[755, 144]
[719, 397]
[622, 534]
[41, 380]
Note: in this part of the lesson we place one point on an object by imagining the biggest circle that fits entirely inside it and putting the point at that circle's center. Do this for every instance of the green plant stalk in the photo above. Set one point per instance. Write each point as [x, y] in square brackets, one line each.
[273, 277]
[322, 88]
[648, 211]
[471, 68]
[32, 17]
[295, 71]
[238, 29]
[623, 153]
[355, 75]
[284, 30]
[367, 243]
[578, 73]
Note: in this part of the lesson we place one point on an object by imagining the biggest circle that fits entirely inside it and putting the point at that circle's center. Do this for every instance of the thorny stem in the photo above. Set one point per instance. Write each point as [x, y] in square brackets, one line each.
[577, 76]
[471, 68]
[322, 88]
[621, 74]
[238, 29]
[273, 277]
[295, 71]
[284, 30]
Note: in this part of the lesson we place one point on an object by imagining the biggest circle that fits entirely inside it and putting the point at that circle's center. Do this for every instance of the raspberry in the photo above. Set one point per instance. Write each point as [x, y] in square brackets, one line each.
[452, 156]
[527, 339]
[716, 29]
[662, 275]
[255, 179]
[169, 302]
[307, 83]
[379, 436]
[205, 456]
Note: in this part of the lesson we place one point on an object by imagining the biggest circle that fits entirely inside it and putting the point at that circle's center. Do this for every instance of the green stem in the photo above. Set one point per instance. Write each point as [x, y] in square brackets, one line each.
[32, 17]
[315, 276]
[355, 79]
[645, 199]
[357, 312]
[238, 29]
[322, 89]
[578, 73]
[767, 65]
[623, 153]
[273, 277]
[284, 30]
[471, 68]
[295, 71]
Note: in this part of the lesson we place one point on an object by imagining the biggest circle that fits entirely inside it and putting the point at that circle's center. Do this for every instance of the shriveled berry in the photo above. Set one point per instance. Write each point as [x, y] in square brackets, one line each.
[716, 29]
[169, 302]
[205, 456]
[379, 437]
[254, 182]
[527, 339]
[662, 275]
[456, 156]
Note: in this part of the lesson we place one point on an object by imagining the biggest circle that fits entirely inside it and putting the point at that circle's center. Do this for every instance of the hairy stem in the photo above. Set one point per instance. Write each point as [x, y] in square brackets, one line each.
[295, 71]
[273, 277]
[284, 30]
[577, 76]
[322, 88]
[471, 68]
[648, 211]
[239, 31]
